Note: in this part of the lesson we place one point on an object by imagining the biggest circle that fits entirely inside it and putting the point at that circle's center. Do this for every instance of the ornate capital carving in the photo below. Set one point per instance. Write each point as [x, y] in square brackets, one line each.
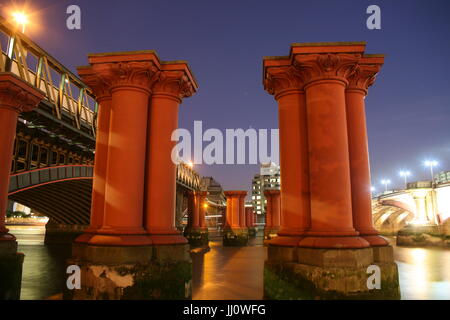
[99, 85]
[107, 76]
[18, 95]
[279, 79]
[326, 66]
[173, 83]
[363, 77]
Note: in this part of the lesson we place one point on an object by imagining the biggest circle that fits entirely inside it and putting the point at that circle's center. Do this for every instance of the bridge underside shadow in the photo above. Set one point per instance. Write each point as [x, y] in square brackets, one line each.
[66, 203]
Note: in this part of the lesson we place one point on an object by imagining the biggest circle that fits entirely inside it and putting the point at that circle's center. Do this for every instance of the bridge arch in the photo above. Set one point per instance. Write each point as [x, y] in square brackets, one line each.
[62, 193]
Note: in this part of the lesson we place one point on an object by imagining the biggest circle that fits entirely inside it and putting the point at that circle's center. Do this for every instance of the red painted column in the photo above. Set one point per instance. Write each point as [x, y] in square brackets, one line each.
[173, 84]
[284, 82]
[129, 77]
[229, 211]
[249, 217]
[242, 219]
[235, 207]
[203, 209]
[101, 90]
[355, 94]
[331, 201]
[16, 96]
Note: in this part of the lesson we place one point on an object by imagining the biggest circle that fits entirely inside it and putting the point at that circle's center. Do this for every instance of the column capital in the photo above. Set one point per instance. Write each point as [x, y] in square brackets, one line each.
[365, 73]
[283, 80]
[17, 95]
[235, 193]
[176, 84]
[327, 66]
[99, 85]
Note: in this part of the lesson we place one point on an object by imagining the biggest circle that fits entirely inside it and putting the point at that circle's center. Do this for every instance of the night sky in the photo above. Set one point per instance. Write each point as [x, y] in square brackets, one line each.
[408, 108]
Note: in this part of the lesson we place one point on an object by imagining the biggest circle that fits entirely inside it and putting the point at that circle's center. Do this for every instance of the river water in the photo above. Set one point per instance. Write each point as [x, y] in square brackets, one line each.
[228, 273]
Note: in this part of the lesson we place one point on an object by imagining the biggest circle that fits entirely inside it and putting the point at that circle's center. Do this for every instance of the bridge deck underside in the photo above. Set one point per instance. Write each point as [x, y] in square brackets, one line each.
[66, 202]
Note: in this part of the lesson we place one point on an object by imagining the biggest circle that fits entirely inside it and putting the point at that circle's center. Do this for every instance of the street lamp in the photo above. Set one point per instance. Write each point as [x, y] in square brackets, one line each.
[385, 182]
[431, 164]
[21, 19]
[405, 175]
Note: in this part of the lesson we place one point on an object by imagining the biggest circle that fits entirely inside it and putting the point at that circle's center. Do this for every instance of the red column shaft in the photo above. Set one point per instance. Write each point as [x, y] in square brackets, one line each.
[295, 203]
[359, 167]
[242, 220]
[203, 209]
[8, 124]
[331, 209]
[229, 212]
[161, 171]
[126, 159]
[101, 162]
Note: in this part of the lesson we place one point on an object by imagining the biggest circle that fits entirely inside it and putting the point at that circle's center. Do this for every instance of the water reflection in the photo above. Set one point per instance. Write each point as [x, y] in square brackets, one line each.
[229, 273]
[424, 273]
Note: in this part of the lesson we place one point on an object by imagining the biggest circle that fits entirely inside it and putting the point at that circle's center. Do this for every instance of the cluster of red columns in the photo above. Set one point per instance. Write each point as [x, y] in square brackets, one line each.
[16, 97]
[236, 213]
[325, 193]
[133, 199]
[197, 207]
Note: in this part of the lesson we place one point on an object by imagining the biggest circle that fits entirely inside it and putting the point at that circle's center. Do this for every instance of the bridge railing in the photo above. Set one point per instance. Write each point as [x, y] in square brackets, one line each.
[29, 179]
[68, 96]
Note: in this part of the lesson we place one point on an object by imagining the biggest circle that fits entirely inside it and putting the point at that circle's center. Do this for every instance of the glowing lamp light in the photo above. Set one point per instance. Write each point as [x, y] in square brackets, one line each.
[431, 164]
[385, 182]
[190, 164]
[21, 19]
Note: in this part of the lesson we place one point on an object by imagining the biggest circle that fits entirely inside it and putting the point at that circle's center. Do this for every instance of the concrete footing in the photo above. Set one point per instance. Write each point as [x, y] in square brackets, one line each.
[235, 237]
[132, 273]
[11, 263]
[310, 273]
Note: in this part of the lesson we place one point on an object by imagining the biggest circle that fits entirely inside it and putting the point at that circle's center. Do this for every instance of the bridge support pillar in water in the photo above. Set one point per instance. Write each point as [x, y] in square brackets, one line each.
[16, 96]
[326, 244]
[132, 249]
[272, 214]
[196, 231]
[235, 232]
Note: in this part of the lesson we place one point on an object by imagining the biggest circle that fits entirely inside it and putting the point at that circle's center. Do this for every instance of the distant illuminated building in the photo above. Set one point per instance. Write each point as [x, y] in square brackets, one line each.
[268, 178]
[442, 177]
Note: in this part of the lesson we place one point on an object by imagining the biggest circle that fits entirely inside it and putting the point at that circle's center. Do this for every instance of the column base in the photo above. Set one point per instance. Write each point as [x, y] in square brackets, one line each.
[235, 237]
[11, 263]
[334, 242]
[270, 233]
[132, 273]
[197, 237]
[311, 273]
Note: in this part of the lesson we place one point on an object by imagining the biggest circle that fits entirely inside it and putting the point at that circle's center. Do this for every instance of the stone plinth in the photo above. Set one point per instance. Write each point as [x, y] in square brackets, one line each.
[132, 273]
[317, 274]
